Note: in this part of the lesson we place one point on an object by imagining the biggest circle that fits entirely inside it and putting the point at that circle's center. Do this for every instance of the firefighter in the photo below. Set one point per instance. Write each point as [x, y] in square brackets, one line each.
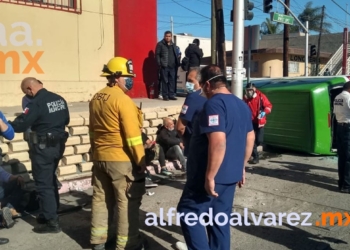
[260, 106]
[118, 174]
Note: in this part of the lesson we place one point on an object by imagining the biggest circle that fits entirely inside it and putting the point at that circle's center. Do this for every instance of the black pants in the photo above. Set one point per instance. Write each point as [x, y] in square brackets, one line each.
[167, 76]
[259, 138]
[343, 149]
[44, 165]
[13, 195]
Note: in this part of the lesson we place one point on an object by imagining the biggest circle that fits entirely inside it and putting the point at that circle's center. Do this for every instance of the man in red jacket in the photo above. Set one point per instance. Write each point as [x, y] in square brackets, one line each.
[260, 106]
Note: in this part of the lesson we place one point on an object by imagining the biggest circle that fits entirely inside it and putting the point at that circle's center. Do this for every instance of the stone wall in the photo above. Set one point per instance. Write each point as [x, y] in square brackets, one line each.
[76, 161]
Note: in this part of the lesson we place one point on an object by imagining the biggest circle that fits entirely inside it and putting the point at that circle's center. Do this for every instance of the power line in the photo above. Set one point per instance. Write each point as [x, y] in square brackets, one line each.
[190, 9]
[341, 7]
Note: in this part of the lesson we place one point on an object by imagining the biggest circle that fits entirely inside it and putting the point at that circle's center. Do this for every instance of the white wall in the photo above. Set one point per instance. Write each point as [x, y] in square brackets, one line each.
[205, 44]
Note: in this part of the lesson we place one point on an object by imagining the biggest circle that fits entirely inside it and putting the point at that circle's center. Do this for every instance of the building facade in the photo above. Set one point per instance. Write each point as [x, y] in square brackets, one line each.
[65, 44]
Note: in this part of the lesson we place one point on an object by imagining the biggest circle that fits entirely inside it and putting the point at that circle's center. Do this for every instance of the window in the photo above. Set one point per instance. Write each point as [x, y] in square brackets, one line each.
[254, 66]
[293, 67]
[62, 5]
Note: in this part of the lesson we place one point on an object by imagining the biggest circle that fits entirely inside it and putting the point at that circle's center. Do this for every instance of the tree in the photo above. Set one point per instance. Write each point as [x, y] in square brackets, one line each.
[269, 27]
[314, 16]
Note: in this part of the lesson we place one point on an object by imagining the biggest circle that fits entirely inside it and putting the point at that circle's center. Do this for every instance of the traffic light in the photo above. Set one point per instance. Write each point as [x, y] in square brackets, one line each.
[247, 7]
[313, 51]
[267, 6]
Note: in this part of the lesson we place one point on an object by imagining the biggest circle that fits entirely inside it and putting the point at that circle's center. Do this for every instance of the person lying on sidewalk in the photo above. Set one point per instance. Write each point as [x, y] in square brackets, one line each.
[7, 179]
[169, 140]
[154, 152]
[11, 192]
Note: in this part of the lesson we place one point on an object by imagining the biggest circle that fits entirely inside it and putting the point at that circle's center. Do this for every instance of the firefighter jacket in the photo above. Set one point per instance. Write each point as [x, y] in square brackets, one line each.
[114, 127]
[259, 103]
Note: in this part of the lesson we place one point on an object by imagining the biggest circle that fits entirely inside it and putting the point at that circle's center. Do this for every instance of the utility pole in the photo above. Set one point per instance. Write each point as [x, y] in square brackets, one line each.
[306, 34]
[220, 35]
[286, 42]
[307, 48]
[319, 42]
[249, 52]
[213, 33]
[238, 48]
[172, 28]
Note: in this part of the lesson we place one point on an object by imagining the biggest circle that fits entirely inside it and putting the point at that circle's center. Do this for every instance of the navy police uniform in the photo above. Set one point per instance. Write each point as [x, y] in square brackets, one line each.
[47, 115]
[193, 104]
[222, 113]
[342, 114]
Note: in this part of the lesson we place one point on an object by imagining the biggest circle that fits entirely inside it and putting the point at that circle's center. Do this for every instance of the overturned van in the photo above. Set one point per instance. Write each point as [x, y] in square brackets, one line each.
[302, 116]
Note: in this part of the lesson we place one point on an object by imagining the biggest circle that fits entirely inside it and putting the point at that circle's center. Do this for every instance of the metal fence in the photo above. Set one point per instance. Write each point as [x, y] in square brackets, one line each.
[73, 6]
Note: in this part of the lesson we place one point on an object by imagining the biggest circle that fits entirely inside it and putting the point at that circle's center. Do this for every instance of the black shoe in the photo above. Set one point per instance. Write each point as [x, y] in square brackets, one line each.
[173, 98]
[165, 99]
[149, 183]
[253, 161]
[52, 226]
[40, 219]
[98, 247]
[4, 241]
[7, 220]
[345, 190]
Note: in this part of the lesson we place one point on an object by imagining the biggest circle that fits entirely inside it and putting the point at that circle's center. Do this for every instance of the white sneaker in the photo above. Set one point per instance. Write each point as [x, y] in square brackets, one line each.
[181, 246]
[160, 97]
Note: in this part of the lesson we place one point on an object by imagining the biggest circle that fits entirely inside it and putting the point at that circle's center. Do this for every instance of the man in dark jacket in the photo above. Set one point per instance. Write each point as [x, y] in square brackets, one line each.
[166, 57]
[194, 54]
[168, 139]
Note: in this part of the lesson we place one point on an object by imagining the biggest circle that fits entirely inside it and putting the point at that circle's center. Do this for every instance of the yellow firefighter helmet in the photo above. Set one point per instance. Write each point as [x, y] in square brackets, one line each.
[118, 66]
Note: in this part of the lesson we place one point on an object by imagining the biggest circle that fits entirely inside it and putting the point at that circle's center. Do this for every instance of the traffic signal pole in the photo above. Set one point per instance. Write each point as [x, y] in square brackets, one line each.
[307, 49]
[238, 48]
[241, 11]
[306, 29]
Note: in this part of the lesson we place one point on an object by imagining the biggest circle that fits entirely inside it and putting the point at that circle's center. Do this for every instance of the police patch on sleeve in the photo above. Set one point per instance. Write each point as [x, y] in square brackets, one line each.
[213, 120]
[184, 109]
[25, 111]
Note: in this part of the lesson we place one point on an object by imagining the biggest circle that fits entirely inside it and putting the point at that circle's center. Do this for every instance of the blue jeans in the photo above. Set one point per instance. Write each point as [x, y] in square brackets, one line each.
[195, 200]
[176, 153]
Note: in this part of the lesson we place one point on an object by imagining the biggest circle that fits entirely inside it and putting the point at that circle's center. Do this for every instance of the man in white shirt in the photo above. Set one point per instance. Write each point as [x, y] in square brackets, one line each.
[342, 113]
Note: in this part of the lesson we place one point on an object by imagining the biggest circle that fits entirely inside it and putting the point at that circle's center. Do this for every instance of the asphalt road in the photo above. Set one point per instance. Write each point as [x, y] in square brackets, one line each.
[279, 184]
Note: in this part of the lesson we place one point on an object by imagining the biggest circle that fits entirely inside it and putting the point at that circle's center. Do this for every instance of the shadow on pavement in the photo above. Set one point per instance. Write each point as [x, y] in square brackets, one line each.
[159, 232]
[319, 181]
[303, 167]
[292, 237]
[74, 218]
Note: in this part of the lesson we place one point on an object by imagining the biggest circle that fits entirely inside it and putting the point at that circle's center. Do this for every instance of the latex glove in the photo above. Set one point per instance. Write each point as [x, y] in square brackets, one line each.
[262, 114]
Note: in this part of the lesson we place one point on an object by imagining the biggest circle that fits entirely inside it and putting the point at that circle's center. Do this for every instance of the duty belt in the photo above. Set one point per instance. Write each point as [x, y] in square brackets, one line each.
[48, 140]
[343, 123]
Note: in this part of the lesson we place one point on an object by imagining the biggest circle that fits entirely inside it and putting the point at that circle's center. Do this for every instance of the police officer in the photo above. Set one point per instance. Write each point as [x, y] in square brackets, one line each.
[47, 114]
[193, 104]
[119, 158]
[223, 132]
[342, 113]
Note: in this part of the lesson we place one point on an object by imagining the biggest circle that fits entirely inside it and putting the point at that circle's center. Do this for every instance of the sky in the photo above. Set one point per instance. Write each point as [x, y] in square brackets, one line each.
[193, 16]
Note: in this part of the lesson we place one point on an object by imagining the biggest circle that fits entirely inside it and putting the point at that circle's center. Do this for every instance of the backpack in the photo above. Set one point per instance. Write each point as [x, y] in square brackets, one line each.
[185, 63]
